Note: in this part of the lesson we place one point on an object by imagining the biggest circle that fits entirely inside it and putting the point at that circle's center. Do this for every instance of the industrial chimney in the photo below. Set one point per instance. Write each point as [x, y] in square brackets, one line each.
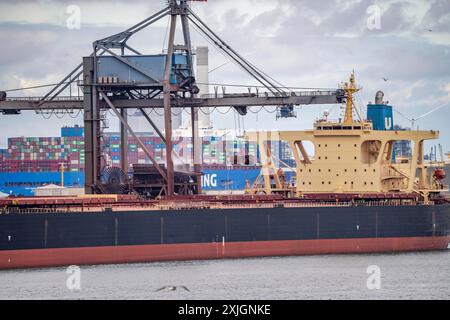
[202, 82]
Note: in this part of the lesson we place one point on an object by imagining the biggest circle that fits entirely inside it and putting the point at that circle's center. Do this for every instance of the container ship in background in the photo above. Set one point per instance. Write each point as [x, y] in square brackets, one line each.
[353, 193]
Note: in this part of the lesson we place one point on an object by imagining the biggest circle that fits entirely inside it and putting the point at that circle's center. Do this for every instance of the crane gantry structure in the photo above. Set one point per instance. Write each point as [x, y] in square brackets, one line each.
[171, 85]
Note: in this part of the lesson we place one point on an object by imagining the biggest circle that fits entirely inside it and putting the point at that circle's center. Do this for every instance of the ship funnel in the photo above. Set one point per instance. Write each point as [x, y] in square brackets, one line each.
[379, 97]
[203, 84]
[380, 113]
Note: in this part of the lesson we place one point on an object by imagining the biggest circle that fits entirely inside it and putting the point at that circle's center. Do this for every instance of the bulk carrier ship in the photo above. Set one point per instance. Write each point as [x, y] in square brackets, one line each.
[350, 196]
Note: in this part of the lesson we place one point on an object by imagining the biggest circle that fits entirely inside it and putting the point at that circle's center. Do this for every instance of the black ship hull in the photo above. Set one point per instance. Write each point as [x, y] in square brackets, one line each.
[54, 239]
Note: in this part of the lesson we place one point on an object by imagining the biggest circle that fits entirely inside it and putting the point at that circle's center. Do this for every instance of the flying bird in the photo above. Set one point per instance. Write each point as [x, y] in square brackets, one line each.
[385, 79]
[172, 288]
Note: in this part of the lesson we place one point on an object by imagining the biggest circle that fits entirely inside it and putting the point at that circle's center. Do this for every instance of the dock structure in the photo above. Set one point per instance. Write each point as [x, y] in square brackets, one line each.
[117, 77]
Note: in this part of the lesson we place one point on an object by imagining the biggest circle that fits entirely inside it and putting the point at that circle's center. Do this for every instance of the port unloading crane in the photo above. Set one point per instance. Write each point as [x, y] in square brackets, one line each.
[175, 87]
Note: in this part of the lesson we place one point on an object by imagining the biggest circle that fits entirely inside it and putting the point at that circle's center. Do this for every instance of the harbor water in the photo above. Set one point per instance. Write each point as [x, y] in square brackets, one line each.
[419, 275]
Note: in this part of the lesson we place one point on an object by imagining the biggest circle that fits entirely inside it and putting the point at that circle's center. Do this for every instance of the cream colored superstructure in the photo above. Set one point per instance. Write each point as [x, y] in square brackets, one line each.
[348, 158]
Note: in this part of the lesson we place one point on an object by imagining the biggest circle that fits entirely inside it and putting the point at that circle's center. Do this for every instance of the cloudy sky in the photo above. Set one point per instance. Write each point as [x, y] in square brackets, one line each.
[313, 44]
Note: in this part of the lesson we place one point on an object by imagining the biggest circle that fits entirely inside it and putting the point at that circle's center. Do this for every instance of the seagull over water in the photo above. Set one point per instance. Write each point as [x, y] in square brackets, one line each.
[172, 288]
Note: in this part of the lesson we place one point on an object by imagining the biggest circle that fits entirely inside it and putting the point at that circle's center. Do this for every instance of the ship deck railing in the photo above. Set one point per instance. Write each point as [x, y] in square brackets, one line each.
[203, 206]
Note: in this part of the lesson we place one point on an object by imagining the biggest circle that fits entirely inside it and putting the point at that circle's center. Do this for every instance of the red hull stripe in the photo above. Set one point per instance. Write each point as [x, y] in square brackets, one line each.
[171, 252]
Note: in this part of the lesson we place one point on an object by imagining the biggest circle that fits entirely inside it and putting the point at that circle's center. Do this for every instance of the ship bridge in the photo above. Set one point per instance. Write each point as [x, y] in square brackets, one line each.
[349, 157]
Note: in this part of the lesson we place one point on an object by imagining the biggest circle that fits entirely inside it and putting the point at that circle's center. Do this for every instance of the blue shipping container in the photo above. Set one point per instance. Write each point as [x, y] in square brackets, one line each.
[72, 132]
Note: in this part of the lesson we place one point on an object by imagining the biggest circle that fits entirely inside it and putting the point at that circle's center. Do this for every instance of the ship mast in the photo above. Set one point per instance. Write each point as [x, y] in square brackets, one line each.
[350, 89]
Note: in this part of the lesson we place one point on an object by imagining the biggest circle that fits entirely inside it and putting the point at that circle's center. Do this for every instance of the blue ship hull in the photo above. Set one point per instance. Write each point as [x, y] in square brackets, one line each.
[228, 178]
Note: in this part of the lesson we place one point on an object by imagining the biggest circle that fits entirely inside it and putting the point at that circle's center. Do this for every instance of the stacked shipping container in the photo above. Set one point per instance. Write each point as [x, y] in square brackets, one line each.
[215, 150]
[36, 154]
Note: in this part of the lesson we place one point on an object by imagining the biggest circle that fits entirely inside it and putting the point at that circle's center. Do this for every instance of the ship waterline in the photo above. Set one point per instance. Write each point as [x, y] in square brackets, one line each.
[41, 258]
